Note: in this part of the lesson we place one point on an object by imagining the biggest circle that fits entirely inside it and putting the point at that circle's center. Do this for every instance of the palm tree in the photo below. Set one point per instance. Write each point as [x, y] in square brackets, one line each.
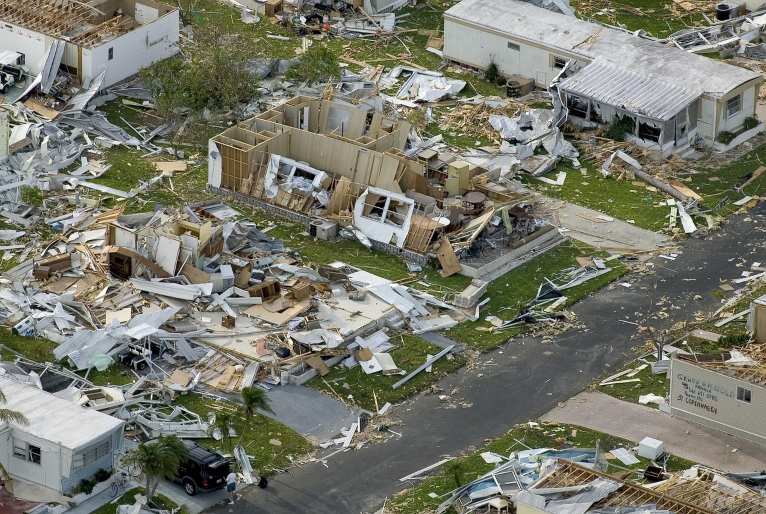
[253, 399]
[456, 469]
[11, 416]
[158, 460]
[224, 422]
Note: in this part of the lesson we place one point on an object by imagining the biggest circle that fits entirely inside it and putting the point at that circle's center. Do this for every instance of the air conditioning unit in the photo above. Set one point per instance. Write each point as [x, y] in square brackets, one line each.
[323, 229]
[517, 86]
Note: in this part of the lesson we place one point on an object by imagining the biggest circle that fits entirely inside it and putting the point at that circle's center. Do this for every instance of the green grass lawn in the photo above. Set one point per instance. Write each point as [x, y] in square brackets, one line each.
[410, 354]
[654, 16]
[512, 292]
[259, 441]
[544, 435]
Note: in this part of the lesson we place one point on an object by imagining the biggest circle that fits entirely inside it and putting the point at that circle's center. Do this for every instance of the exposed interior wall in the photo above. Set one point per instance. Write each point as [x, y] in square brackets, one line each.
[31, 44]
[136, 9]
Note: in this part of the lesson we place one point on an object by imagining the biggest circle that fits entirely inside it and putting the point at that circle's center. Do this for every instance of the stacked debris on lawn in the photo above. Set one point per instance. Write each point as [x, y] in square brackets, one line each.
[197, 298]
[425, 200]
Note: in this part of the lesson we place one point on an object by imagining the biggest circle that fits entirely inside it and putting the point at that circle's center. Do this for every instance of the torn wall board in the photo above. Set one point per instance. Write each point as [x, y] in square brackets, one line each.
[179, 291]
[386, 220]
[686, 220]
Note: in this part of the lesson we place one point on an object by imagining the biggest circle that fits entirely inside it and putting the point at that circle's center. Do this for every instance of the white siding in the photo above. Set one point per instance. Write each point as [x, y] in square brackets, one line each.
[477, 48]
[706, 120]
[132, 51]
[47, 473]
[31, 44]
[709, 398]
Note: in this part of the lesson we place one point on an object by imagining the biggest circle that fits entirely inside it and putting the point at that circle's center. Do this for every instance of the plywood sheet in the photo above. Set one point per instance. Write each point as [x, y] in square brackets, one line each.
[682, 188]
[195, 276]
[277, 318]
[447, 258]
[316, 362]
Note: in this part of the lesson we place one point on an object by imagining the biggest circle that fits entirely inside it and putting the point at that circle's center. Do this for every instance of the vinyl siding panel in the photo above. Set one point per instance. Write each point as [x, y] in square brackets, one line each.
[709, 398]
[133, 50]
[477, 47]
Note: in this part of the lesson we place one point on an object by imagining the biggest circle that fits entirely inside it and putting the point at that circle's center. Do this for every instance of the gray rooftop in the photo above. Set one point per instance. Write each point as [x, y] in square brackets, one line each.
[620, 87]
[524, 21]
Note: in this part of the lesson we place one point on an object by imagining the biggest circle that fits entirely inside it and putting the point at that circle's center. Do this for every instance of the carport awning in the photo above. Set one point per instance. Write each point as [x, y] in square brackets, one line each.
[9, 57]
[625, 89]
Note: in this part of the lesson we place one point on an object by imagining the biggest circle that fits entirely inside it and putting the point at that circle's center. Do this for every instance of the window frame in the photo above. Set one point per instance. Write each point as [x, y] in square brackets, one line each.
[91, 454]
[558, 62]
[31, 453]
[110, 53]
[744, 395]
[738, 106]
[514, 46]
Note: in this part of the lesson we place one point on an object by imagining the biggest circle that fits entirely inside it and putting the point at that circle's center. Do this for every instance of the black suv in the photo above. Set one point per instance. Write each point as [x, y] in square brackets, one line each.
[203, 470]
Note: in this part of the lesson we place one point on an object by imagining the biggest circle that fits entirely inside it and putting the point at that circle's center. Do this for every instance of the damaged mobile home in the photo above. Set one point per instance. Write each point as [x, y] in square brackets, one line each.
[669, 98]
[334, 165]
[87, 38]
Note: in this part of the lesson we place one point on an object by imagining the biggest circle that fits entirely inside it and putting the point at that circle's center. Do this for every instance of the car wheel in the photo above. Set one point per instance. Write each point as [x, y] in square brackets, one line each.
[5, 88]
[141, 366]
[190, 487]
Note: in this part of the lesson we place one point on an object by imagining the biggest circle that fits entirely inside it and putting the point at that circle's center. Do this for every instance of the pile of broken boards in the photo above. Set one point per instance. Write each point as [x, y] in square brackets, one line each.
[43, 143]
[193, 297]
[319, 20]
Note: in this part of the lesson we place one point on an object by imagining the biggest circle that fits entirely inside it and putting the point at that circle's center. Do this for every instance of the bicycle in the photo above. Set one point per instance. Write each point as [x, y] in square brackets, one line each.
[121, 481]
[133, 469]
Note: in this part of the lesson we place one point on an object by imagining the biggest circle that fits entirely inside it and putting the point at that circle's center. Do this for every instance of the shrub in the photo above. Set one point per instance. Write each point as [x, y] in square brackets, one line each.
[102, 475]
[619, 128]
[750, 122]
[492, 73]
[733, 340]
[318, 64]
[725, 137]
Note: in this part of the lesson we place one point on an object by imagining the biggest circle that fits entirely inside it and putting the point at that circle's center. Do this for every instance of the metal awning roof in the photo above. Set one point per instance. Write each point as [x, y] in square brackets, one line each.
[622, 88]
[9, 57]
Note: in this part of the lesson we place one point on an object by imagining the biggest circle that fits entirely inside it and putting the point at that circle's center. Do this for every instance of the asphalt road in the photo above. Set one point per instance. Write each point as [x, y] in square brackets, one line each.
[520, 381]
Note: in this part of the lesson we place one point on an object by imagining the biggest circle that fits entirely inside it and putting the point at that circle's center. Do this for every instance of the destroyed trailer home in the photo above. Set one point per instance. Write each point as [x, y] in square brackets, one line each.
[334, 165]
[668, 97]
[542, 480]
[573, 487]
[188, 297]
[725, 391]
[55, 452]
[84, 39]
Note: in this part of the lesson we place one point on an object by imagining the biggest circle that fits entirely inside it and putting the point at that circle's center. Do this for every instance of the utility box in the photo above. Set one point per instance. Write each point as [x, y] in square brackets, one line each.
[650, 448]
[323, 229]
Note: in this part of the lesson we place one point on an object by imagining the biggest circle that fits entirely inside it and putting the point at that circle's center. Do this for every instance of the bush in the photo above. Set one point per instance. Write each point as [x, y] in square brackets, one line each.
[32, 196]
[492, 73]
[102, 475]
[733, 340]
[619, 128]
[318, 64]
[725, 137]
[85, 486]
[215, 76]
[750, 123]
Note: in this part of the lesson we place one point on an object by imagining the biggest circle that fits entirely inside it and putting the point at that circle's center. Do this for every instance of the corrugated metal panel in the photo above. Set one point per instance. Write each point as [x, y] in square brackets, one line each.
[622, 88]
